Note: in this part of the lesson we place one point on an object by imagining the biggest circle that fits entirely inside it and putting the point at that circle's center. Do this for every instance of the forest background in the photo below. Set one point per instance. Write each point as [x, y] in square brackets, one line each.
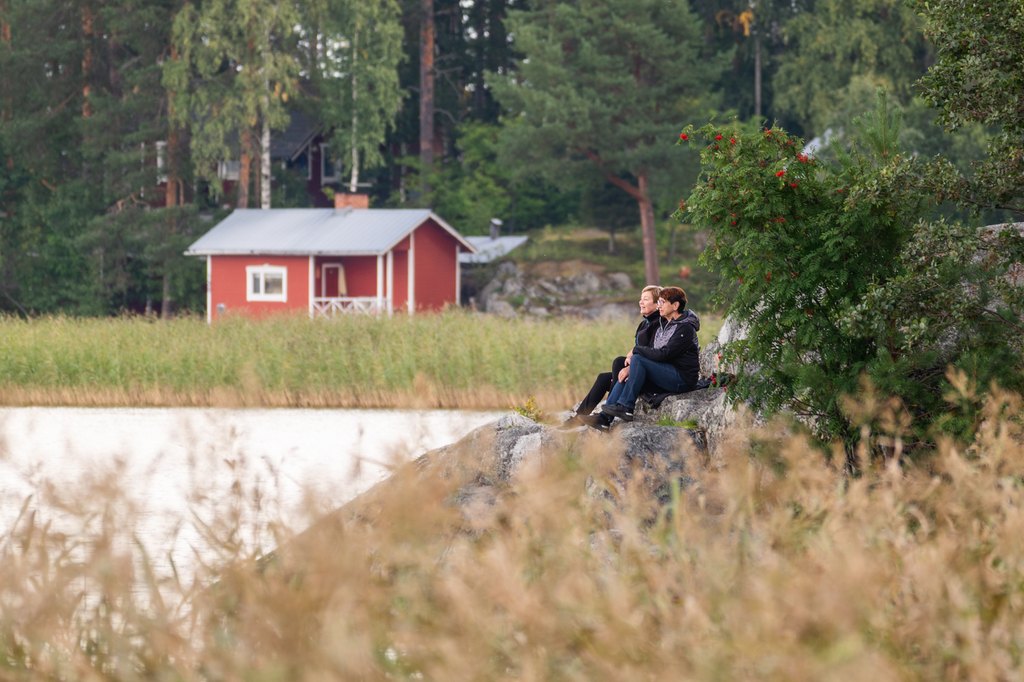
[116, 114]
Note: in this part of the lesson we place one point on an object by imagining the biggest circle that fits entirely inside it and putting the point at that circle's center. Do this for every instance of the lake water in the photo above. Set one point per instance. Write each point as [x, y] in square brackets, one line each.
[178, 473]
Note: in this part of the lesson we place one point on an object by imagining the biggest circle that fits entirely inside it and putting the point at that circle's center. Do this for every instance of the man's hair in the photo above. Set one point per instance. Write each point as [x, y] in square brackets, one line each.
[674, 295]
[654, 289]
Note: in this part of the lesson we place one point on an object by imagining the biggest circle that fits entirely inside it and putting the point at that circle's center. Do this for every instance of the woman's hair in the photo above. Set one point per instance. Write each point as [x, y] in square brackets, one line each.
[654, 289]
[674, 295]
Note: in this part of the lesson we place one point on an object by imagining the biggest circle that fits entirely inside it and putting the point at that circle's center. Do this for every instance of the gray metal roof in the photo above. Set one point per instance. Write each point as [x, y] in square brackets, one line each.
[489, 249]
[292, 141]
[315, 232]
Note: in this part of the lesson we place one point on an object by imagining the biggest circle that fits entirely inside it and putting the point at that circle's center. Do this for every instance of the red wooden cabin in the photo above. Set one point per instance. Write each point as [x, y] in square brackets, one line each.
[329, 261]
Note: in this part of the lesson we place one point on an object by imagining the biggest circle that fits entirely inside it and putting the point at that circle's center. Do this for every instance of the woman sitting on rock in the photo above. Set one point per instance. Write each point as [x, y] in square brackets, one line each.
[620, 366]
[670, 365]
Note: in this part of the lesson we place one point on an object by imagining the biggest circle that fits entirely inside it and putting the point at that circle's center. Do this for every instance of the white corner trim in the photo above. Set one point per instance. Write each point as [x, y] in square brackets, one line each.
[380, 283]
[391, 282]
[458, 279]
[411, 270]
[312, 285]
[209, 290]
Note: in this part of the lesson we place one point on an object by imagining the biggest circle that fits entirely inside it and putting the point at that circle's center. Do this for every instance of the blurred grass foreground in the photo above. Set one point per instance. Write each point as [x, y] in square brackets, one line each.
[775, 566]
[456, 359]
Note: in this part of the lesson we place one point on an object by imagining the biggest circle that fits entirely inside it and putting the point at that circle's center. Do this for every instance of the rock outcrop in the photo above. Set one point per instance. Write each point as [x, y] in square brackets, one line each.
[670, 446]
[674, 447]
[570, 287]
[492, 457]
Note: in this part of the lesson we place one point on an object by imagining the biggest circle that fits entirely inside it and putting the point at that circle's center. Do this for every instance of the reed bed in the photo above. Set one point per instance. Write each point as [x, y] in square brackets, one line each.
[775, 567]
[455, 359]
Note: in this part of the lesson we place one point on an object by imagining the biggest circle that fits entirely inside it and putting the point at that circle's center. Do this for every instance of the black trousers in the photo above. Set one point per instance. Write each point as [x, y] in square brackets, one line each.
[602, 385]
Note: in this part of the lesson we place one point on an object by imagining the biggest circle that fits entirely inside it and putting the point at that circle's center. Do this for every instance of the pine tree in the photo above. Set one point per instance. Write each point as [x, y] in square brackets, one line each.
[603, 86]
[44, 185]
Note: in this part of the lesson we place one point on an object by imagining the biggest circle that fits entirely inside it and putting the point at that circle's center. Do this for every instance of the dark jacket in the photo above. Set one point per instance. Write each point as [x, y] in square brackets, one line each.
[645, 330]
[605, 380]
[676, 344]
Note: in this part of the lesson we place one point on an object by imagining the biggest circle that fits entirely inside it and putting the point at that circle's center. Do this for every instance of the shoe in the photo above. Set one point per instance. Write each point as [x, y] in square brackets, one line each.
[616, 410]
[600, 422]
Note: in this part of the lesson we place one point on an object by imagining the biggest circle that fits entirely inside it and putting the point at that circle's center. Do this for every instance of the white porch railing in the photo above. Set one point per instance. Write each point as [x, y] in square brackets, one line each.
[345, 305]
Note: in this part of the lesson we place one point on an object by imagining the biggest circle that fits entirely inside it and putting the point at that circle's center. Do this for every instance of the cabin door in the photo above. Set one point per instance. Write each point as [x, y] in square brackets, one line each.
[332, 280]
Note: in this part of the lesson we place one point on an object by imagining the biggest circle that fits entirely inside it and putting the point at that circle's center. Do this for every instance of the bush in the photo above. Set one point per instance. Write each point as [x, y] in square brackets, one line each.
[839, 277]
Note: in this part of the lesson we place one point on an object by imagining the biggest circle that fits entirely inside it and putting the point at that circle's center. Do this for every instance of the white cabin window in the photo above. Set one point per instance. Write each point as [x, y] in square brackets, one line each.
[328, 169]
[266, 283]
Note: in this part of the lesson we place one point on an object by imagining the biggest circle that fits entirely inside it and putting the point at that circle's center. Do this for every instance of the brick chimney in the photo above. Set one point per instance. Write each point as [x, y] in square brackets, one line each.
[342, 200]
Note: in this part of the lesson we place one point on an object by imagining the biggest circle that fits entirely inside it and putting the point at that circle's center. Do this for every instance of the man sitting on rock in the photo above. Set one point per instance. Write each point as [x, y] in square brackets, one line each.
[670, 365]
[620, 366]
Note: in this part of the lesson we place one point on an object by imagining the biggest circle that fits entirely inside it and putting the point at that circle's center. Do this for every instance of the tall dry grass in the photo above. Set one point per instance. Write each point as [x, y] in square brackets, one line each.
[455, 359]
[775, 567]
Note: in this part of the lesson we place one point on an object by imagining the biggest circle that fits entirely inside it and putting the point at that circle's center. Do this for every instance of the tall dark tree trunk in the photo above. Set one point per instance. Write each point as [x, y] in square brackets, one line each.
[641, 193]
[173, 195]
[426, 92]
[88, 57]
[647, 227]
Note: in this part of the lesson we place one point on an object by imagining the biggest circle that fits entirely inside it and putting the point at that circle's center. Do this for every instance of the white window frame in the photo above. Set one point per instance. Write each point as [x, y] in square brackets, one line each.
[325, 149]
[262, 271]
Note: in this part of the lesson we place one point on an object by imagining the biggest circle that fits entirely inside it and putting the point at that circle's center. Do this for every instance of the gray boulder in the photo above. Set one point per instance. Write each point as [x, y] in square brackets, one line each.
[585, 283]
[619, 281]
[501, 308]
[493, 456]
[490, 458]
[707, 409]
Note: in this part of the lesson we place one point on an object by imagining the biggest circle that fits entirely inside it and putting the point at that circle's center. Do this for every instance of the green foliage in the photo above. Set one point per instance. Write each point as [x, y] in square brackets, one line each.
[354, 82]
[530, 410]
[839, 52]
[838, 276]
[290, 188]
[231, 77]
[44, 268]
[666, 420]
[604, 82]
[475, 186]
[976, 78]
[600, 91]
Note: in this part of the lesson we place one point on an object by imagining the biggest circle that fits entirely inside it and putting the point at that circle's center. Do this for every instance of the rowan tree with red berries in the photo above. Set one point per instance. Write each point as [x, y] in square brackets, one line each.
[837, 274]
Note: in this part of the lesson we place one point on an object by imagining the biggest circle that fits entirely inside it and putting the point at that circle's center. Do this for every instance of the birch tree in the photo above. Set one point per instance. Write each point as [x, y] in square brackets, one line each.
[237, 67]
[358, 45]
